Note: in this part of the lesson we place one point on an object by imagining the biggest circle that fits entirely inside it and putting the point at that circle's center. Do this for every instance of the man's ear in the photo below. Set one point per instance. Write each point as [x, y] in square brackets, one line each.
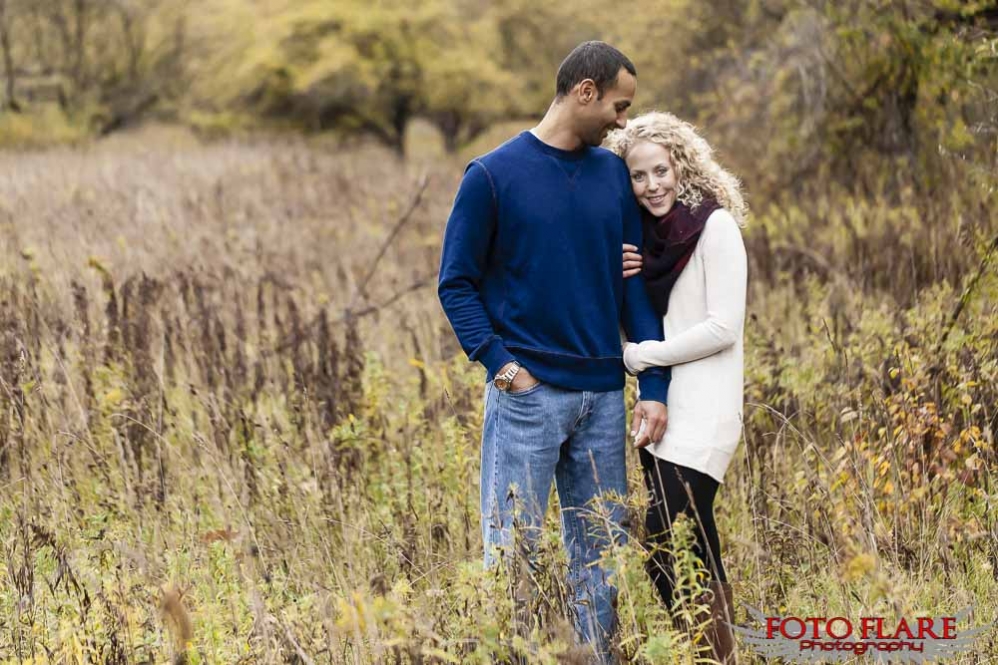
[587, 91]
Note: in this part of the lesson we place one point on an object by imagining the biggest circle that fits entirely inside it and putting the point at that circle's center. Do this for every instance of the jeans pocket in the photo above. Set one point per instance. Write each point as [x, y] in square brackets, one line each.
[520, 393]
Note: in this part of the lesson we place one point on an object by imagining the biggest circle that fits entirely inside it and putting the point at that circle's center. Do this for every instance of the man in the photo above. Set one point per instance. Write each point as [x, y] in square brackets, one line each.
[531, 281]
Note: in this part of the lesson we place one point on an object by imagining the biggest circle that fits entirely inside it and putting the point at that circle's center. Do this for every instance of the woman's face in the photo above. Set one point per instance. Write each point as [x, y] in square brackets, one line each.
[653, 177]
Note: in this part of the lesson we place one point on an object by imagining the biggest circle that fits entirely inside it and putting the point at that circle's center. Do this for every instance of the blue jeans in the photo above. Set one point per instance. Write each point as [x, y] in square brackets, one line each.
[575, 438]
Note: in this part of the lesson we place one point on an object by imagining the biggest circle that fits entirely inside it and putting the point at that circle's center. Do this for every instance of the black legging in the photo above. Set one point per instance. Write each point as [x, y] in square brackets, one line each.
[666, 482]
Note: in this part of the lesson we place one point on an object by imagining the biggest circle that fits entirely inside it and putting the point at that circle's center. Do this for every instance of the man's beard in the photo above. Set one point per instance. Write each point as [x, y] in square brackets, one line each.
[597, 137]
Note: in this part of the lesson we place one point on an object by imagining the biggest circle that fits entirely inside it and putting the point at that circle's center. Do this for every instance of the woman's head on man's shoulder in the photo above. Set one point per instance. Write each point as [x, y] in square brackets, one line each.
[668, 160]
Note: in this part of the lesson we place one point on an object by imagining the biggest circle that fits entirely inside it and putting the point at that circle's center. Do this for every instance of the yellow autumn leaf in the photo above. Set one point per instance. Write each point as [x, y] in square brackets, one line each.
[860, 566]
[114, 397]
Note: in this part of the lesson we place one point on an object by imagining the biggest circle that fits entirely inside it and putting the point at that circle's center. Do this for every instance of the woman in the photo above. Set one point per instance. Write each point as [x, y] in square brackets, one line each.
[694, 265]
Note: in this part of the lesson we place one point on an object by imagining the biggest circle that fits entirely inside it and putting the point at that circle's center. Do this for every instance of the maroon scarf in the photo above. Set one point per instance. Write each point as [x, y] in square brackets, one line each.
[667, 246]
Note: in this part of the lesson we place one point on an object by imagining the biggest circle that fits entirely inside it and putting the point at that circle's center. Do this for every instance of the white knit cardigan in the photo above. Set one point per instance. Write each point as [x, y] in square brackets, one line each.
[703, 344]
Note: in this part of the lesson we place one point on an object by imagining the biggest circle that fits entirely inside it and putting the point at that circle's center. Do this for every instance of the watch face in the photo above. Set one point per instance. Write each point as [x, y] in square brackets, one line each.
[501, 384]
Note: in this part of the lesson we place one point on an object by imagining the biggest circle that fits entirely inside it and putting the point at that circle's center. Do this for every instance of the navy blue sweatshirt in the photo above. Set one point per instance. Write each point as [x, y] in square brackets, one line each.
[531, 268]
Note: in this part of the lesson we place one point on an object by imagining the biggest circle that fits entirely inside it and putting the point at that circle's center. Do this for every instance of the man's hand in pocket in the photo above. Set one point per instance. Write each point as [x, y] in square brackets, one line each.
[523, 380]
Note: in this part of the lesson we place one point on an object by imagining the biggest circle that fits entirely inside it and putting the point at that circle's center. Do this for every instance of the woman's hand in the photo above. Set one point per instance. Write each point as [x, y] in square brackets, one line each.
[632, 261]
[631, 362]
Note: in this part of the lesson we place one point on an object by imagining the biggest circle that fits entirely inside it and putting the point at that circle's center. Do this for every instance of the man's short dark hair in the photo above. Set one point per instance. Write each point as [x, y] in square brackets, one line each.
[592, 60]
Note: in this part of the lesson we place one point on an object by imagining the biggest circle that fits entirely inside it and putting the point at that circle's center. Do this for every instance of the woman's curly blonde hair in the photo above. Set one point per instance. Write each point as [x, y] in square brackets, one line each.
[697, 172]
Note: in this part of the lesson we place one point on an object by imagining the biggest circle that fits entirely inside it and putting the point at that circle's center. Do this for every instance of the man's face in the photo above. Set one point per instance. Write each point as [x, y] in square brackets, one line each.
[600, 116]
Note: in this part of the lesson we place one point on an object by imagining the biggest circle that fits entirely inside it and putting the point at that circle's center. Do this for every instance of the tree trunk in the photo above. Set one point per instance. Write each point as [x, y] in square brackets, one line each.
[79, 40]
[401, 115]
[133, 43]
[8, 59]
[39, 39]
[451, 142]
[449, 124]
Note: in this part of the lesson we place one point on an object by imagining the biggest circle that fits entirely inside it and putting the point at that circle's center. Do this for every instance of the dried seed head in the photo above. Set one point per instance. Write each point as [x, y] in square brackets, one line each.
[176, 616]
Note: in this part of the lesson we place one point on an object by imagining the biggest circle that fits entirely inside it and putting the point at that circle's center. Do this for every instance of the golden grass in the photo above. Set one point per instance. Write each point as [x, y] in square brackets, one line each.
[204, 457]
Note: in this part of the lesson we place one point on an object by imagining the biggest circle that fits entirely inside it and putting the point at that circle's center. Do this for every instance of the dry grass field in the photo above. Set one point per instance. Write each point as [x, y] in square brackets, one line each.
[235, 426]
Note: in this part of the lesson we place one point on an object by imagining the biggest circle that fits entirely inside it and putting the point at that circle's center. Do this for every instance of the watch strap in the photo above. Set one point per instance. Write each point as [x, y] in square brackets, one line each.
[507, 376]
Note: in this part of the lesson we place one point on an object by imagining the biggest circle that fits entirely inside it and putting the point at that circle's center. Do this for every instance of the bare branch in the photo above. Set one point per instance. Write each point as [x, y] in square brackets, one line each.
[403, 220]
[348, 315]
[371, 309]
[349, 312]
[965, 296]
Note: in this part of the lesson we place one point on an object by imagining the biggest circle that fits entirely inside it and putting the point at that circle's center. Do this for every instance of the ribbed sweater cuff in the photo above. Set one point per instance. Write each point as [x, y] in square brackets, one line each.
[493, 355]
[654, 385]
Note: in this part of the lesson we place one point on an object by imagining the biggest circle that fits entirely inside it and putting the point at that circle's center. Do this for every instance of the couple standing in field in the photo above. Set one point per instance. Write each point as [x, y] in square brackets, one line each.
[534, 284]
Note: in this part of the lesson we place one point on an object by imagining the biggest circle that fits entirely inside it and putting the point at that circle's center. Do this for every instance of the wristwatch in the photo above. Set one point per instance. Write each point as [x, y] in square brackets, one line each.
[504, 380]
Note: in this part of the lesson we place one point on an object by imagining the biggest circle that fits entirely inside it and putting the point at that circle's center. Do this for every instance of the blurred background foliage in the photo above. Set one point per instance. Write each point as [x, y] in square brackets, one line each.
[847, 104]
[790, 90]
